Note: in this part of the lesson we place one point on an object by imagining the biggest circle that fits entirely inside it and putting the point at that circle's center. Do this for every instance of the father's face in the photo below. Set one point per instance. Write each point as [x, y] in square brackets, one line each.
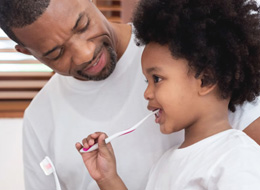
[73, 38]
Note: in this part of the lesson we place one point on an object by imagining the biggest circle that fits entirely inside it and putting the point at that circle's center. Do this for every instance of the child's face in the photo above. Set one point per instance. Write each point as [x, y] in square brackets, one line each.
[172, 88]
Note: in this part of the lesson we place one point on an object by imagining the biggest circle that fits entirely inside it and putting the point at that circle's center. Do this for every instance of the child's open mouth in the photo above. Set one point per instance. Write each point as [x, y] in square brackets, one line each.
[157, 115]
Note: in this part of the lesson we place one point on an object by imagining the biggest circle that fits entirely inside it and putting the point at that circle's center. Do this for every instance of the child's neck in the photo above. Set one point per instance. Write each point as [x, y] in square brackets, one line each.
[203, 129]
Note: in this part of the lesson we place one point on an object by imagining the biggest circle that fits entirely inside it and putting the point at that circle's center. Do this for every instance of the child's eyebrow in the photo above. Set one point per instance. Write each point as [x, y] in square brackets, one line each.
[152, 69]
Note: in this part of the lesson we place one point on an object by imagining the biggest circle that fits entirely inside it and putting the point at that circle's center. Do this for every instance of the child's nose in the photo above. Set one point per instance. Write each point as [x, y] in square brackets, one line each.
[148, 93]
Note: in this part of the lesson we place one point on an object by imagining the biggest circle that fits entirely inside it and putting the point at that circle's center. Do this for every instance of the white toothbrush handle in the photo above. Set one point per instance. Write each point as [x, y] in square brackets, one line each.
[56, 181]
[110, 138]
[54, 173]
[139, 123]
[95, 146]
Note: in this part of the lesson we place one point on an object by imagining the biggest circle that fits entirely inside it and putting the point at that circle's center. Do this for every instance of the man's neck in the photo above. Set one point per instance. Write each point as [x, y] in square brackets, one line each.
[122, 38]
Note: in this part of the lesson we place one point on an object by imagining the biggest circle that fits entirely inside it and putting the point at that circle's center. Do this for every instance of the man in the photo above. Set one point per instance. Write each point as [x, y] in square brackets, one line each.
[98, 87]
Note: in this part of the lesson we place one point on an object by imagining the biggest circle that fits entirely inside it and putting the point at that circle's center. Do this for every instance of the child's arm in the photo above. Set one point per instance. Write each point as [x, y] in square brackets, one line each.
[101, 163]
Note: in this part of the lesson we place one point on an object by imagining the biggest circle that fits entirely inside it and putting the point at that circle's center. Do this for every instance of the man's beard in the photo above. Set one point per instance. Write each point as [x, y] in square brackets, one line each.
[107, 70]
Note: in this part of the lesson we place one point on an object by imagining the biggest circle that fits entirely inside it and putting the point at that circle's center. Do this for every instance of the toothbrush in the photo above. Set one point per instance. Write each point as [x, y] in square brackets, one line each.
[110, 138]
[48, 168]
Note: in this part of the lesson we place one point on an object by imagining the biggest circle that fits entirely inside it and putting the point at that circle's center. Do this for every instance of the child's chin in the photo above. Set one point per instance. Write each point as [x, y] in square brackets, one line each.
[163, 130]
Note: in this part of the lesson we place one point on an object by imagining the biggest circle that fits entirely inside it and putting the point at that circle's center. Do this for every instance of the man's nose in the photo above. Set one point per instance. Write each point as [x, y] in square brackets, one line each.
[82, 51]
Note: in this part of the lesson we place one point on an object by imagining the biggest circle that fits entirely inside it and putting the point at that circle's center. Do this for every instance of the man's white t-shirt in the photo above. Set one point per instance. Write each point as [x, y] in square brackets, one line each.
[229, 160]
[67, 110]
[245, 114]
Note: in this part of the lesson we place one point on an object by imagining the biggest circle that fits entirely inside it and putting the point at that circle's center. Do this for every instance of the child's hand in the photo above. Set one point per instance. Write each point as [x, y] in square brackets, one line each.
[101, 163]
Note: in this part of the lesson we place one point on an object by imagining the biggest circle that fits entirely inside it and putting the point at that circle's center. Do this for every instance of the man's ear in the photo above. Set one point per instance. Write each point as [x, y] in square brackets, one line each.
[206, 83]
[22, 49]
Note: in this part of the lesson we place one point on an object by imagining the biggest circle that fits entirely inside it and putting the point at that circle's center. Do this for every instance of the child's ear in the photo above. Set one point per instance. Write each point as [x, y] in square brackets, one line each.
[22, 49]
[206, 83]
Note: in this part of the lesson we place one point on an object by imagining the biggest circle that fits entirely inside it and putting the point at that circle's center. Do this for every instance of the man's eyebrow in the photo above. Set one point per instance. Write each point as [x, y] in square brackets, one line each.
[50, 51]
[77, 22]
[74, 28]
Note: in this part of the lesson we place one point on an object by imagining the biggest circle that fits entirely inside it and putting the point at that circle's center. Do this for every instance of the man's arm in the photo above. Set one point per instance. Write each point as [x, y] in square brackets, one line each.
[253, 130]
[33, 154]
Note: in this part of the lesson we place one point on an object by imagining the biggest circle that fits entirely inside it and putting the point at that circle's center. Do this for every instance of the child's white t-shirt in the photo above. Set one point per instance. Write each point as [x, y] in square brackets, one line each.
[229, 160]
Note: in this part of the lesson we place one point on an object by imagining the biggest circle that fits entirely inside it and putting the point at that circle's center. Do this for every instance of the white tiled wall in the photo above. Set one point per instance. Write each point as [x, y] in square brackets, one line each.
[11, 165]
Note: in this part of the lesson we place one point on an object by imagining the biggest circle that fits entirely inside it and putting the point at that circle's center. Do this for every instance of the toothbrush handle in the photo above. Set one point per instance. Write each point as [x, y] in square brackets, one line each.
[110, 138]
[95, 146]
[56, 181]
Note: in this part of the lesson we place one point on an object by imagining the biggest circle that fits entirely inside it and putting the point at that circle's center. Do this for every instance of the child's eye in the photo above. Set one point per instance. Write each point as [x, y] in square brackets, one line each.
[156, 79]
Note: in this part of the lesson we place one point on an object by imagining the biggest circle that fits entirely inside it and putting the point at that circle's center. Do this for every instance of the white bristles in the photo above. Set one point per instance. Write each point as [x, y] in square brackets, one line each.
[48, 168]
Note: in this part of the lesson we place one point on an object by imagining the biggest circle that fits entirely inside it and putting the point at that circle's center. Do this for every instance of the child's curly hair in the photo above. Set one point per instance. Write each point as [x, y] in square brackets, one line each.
[219, 38]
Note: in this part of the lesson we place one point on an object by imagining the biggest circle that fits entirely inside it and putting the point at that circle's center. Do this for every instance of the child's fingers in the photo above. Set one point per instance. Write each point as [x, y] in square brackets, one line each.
[108, 145]
[78, 146]
[110, 148]
[91, 139]
[104, 149]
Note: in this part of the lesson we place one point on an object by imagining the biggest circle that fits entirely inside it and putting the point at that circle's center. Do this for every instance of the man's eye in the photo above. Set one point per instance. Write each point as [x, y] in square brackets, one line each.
[84, 28]
[60, 54]
[156, 79]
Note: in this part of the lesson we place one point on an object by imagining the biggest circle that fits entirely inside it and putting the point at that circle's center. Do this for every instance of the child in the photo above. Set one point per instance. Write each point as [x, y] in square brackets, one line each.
[201, 58]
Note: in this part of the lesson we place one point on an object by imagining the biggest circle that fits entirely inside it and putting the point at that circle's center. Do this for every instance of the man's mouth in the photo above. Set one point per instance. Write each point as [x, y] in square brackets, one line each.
[97, 65]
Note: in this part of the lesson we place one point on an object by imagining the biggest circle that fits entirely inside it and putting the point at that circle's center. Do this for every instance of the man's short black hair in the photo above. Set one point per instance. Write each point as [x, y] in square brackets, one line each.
[20, 13]
[219, 38]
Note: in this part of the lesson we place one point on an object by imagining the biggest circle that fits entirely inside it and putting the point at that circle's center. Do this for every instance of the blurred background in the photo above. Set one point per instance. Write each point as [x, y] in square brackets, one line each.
[21, 77]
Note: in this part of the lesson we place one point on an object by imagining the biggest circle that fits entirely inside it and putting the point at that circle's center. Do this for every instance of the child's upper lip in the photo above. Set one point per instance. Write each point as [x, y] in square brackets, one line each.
[152, 108]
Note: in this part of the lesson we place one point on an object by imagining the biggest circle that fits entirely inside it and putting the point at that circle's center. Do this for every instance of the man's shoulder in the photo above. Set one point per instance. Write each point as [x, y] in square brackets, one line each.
[42, 98]
[51, 85]
[245, 114]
